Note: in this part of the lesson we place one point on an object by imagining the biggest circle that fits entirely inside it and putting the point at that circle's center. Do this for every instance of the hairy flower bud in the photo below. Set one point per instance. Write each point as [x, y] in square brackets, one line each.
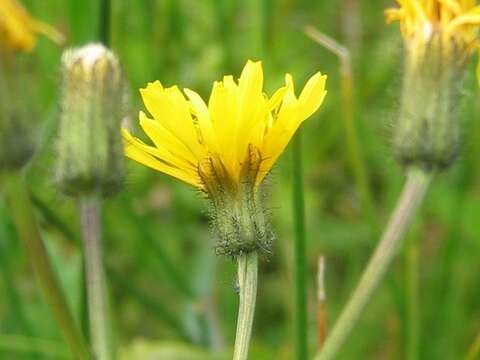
[16, 125]
[93, 103]
[238, 212]
[428, 130]
[439, 37]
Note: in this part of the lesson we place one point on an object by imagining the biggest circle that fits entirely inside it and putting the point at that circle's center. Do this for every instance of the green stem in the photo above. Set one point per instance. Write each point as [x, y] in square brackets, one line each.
[247, 281]
[157, 308]
[25, 222]
[14, 301]
[27, 344]
[412, 196]
[354, 150]
[95, 278]
[104, 22]
[300, 268]
[412, 295]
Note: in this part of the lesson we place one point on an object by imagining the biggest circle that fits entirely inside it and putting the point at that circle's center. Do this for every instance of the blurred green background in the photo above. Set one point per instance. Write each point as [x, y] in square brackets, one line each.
[172, 296]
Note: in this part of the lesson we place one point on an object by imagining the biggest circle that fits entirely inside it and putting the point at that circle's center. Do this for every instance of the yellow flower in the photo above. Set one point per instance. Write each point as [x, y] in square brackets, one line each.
[456, 21]
[237, 137]
[439, 37]
[18, 30]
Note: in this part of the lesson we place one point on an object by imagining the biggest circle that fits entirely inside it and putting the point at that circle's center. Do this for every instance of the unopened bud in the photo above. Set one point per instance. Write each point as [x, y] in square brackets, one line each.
[240, 218]
[93, 104]
[16, 122]
[428, 131]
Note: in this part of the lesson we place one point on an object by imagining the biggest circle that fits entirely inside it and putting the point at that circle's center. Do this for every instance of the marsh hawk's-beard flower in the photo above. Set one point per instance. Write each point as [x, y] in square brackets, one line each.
[227, 147]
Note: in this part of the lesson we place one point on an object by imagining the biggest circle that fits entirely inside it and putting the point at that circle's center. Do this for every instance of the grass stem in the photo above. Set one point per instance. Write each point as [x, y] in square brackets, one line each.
[322, 303]
[154, 306]
[300, 267]
[98, 311]
[411, 198]
[105, 22]
[247, 281]
[24, 219]
[354, 149]
[30, 345]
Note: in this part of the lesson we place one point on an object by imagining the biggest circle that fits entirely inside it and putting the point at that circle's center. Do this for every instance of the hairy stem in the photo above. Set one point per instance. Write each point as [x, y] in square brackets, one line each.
[24, 219]
[412, 196]
[247, 281]
[95, 278]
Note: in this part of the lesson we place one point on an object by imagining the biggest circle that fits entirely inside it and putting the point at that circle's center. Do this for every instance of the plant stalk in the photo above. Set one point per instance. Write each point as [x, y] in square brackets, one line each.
[247, 281]
[300, 267]
[149, 303]
[24, 219]
[354, 150]
[322, 303]
[98, 311]
[105, 22]
[413, 299]
[412, 196]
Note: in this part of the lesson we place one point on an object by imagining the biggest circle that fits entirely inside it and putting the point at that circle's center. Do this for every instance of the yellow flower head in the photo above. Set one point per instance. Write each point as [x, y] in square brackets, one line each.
[439, 37]
[236, 137]
[18, 30]
[456, 21]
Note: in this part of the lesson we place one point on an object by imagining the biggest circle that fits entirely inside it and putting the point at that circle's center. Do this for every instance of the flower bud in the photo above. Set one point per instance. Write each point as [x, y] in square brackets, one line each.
[16, 123]
[428, 130]
[439, 37]
[240, 218]
[93, 104]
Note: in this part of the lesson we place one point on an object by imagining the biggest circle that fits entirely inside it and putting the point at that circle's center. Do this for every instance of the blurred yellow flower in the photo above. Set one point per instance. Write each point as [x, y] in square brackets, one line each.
[236, 138]
[18, 30]
[456, 21]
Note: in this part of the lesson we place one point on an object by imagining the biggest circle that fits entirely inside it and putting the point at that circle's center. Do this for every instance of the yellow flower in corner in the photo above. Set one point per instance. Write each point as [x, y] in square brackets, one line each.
[235, 138]
[456, 22]
[439, 38]
[18, 30]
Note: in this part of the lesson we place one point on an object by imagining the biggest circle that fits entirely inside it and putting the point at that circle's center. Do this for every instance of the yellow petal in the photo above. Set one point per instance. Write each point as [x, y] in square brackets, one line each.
[221, 116]
[200, 110]
[292, 113]
[280, 133]
[160, 150]
[312, 95]
[452, 5]
[18, 28]
[49, 31]
[135, 152]
[467, 19]
[251, 98]
[276, 98]
[170, 108]
[190, 135]
[161, 137]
